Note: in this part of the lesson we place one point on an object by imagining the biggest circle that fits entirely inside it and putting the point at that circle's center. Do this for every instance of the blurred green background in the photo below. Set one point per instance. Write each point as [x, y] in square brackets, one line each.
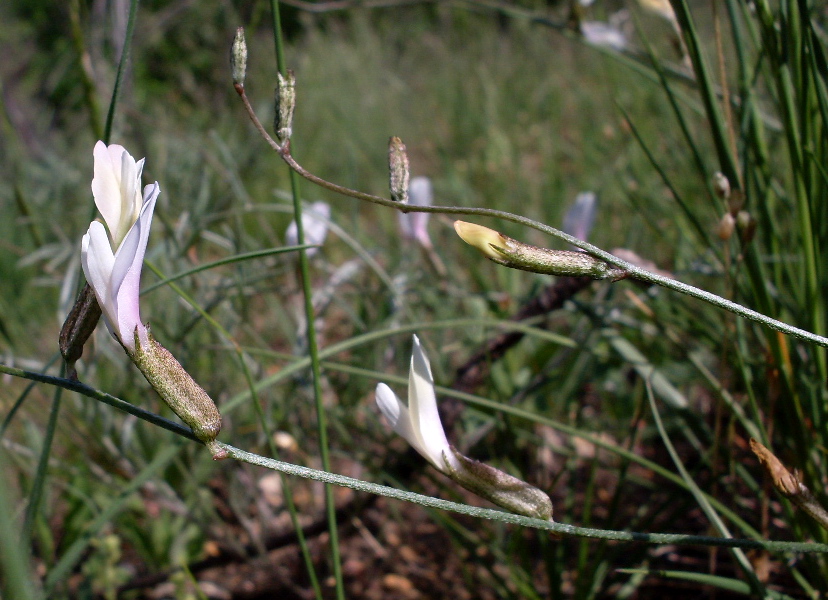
[502, 105]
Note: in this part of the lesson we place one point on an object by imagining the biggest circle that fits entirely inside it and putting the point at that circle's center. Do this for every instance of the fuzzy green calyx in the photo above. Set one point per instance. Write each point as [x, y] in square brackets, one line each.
[511, 253]
[498, 487]
[178, 389]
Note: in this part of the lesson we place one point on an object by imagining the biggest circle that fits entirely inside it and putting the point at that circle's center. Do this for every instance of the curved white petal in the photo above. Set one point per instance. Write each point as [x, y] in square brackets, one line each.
[126, 272]
[131, 201]
[397, 414]
[97, 261]
[422, 406]
[116, 188]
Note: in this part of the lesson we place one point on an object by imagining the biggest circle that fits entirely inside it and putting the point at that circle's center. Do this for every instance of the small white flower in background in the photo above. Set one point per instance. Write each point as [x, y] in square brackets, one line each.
[414, 225]
[419, 423]
[314, 224]
[662, 8]
[116, 187]
[580, 217]
[603, 34]
[116, 277]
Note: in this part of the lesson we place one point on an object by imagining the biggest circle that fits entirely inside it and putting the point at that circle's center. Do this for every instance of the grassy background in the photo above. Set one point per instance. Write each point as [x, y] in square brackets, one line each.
[499, 112]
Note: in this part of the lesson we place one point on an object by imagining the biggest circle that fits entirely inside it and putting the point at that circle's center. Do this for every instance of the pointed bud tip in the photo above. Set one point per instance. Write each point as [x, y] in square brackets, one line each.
[784, 481]
[484, 239]
[238, 57]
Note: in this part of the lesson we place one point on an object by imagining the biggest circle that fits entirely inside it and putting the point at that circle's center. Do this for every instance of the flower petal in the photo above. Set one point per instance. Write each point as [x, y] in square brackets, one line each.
[422, 406]
[131, 201]
[97, 261]
[126, 272]
[397, 414]
[115, 187]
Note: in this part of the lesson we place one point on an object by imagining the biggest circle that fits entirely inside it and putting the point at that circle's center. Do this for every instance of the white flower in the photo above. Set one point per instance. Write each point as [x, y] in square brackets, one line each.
[419, 422]
[314, 226]
[598, 33]
[115, 277]
[116, 187]
[414, 225]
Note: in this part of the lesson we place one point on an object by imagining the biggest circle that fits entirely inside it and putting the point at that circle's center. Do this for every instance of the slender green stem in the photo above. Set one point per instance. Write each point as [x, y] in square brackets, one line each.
[90, 91]
[242, 357]
[16, 577]
[428, 501]
[76, 386]
[313, 349]
[504, 517]
[74, 553]
[122, 65]
[634, 271]
[42, 466]
[223, 261]
[700, 498]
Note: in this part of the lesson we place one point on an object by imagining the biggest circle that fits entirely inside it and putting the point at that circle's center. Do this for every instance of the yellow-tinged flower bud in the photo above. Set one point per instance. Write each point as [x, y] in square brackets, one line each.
[238, 57]
[517, 255]
[398, 172]
[726, 226]
[721, 185]
[179, 391]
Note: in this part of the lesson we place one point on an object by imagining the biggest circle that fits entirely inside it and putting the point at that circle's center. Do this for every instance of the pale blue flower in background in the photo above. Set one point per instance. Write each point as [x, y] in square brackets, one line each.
[414, 225]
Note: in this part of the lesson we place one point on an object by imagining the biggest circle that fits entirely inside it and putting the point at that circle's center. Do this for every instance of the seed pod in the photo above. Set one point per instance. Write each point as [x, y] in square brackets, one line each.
[77, 328]
[398, 172]
[238, 58]
[285, 104]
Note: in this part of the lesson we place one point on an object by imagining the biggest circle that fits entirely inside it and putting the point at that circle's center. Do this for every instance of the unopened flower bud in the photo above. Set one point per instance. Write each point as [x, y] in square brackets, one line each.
[721, 185]
[789, 484]
[238, 57]
[285, 103]
[747, 226]
[398, 172]
[725, 227]
[511, 253]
